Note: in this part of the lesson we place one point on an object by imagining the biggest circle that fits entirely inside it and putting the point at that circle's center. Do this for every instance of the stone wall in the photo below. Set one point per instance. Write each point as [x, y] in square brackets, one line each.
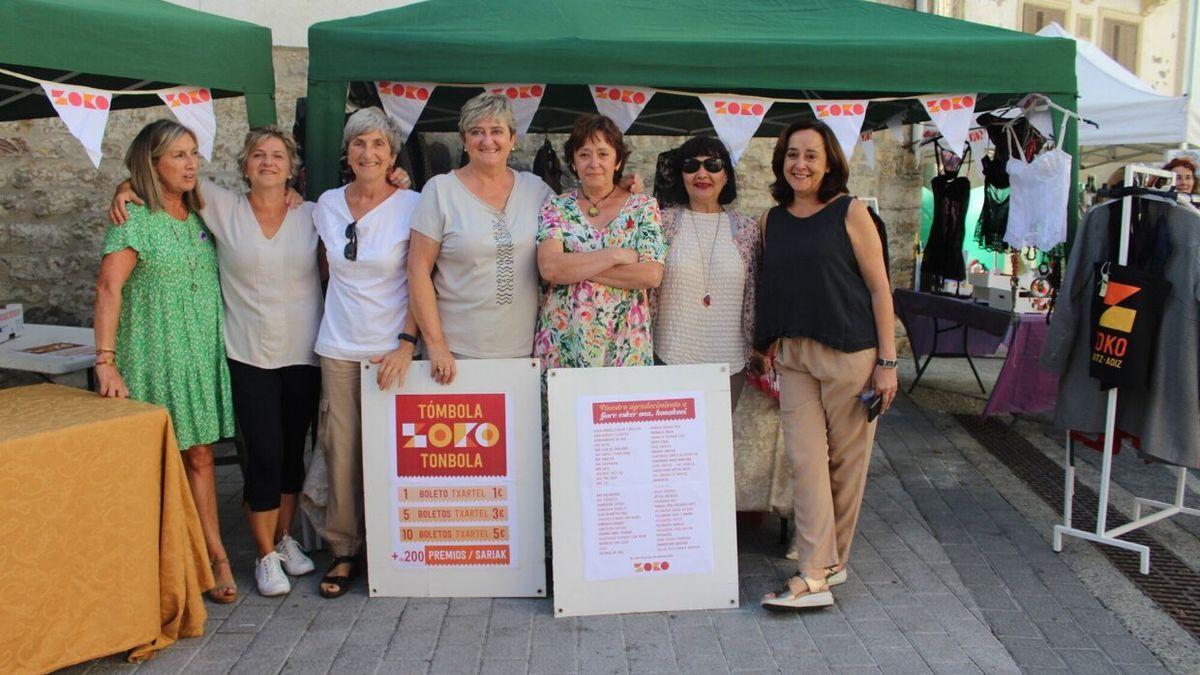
[53, 203]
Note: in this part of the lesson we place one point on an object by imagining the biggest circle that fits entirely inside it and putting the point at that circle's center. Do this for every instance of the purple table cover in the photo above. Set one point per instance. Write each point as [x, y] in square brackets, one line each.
[1023, 387]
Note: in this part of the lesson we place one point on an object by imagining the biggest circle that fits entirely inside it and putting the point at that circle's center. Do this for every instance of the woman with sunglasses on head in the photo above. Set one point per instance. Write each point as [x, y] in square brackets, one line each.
[825, 310]
[364, 227]
[704, 309]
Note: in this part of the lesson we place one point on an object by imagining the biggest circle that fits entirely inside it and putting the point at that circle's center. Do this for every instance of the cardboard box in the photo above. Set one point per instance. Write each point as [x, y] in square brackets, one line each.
[12, 321]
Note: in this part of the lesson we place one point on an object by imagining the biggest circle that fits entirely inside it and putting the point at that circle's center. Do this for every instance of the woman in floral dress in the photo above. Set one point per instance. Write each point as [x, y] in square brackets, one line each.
[158, 317]
[599, 249]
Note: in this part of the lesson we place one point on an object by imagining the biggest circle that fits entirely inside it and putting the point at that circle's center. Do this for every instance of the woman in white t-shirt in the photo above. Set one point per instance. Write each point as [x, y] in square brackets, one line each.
[365, 229]
[472, 262]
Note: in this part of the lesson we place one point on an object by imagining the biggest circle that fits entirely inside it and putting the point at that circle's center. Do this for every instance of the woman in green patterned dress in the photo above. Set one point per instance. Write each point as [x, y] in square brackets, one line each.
[158, 317]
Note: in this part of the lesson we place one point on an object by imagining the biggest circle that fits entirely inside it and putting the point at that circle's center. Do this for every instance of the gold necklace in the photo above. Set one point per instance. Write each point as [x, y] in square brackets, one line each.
[193, 259]
[595, 209]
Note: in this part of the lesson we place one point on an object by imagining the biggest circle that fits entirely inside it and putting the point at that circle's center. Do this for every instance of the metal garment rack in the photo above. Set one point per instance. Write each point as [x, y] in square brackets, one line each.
[1102, 534]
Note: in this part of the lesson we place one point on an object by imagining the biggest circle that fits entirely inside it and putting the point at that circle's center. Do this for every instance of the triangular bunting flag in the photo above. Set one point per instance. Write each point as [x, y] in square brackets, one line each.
[621, 104]
[525, 99]
[952, 113]
[404, 101]
[84, 111]
[978, 140]
[895, 124]
[867, 143]
[845, 118]
[192, 106]
[736, 119]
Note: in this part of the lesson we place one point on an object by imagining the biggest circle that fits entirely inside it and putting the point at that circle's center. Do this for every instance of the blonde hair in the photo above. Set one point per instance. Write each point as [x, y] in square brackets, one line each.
[256, 136]
[152, 142]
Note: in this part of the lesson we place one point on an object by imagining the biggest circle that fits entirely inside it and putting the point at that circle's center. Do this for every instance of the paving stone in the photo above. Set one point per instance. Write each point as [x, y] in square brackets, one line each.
[354, 665]
[745, 654]
[938, 648]
[905, 660]
[412, 644]
[881, 635]
[992, 659]
[507, 642]
[1087, 661]
[223, 648]
[404, 667]
[740, 624]
[844, 650]
[553, 657]
[1010, 624]
[1125, 649]
[604, 665]
[1032, 653]
[1066, 635]
[503, 667]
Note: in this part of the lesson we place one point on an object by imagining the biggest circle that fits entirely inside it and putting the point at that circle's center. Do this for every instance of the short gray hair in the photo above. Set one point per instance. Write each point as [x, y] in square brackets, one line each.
[372, 119]
[484, 106]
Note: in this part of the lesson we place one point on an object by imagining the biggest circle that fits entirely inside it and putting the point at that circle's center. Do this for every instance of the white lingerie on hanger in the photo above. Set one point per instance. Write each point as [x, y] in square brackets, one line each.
[1041, 192]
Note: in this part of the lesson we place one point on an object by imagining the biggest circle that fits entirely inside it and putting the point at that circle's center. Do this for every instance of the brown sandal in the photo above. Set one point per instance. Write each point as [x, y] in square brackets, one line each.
[220, 593]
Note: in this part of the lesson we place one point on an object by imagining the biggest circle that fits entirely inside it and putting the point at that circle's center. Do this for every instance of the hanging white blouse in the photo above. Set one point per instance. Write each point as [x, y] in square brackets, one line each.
[1038, 202]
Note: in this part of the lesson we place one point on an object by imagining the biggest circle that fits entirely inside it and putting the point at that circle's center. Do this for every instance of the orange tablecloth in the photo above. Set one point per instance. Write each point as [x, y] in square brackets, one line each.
[101, 550]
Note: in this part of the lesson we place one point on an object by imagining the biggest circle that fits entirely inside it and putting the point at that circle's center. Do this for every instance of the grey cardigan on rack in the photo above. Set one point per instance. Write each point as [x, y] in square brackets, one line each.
[1166, 415]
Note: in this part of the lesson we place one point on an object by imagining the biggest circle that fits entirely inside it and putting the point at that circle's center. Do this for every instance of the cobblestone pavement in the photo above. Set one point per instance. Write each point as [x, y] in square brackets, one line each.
[945, 576]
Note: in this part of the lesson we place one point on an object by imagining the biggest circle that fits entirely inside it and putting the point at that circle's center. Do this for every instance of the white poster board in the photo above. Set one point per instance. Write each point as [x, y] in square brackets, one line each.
[642, 489]
[452, 480]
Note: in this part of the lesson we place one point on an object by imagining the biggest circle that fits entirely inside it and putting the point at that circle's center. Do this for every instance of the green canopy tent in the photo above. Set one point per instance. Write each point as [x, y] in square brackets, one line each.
[119, 45]
[794, 49]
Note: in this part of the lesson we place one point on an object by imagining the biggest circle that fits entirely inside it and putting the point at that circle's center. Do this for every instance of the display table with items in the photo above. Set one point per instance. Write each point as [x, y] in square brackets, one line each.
[944, 326]
[50, 351]
[101, 550]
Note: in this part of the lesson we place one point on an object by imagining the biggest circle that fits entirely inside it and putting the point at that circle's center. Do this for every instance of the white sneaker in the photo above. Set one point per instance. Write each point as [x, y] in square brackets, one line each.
[295, 562]
[270, 577]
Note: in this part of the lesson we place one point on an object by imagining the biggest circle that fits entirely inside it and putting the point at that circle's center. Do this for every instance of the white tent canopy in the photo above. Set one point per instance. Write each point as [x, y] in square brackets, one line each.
[1127, 109]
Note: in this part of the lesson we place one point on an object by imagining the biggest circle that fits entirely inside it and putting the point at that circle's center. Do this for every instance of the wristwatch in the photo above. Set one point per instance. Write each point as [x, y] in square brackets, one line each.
[885, 363]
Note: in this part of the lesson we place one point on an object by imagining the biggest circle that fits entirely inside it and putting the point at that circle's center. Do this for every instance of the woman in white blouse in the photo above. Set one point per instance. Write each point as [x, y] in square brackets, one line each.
[267, 257]
[472, 261]
[365, 229]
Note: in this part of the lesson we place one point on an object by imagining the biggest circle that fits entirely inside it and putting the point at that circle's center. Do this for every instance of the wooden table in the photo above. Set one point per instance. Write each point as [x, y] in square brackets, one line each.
[101, 550]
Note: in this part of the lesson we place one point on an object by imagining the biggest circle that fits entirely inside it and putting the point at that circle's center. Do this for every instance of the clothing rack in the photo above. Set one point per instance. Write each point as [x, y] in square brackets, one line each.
[1102, 534]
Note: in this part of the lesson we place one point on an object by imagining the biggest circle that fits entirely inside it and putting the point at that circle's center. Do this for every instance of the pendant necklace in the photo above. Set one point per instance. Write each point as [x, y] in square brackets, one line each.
[193, 258]
[707, 299]
[595, 208]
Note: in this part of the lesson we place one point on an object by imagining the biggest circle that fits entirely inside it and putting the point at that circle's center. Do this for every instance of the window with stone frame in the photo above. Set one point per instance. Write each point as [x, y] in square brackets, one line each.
[1119, 39]
[1036, 17]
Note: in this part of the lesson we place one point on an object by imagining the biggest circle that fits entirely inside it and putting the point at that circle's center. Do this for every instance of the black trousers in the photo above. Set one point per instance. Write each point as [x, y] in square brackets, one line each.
[274, 408]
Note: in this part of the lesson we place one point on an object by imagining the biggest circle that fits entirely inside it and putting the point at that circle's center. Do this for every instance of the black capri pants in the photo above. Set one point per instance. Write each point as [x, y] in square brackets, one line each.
[274, 409]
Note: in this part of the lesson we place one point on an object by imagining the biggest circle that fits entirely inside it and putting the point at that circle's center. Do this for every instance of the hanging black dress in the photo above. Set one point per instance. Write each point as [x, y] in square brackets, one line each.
[943, 259]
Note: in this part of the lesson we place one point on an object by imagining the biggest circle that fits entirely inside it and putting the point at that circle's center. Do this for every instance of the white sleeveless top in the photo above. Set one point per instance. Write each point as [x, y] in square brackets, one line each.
[1041, 191]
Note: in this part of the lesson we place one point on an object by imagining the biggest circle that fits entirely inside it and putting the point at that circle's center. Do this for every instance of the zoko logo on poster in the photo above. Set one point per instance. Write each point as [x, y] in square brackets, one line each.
[404, 102]
[84, 111]
[845, 118]
[735, 120]
[192, 106]
[620, 104]
[450, 435]
[952, 113]
[525, 100]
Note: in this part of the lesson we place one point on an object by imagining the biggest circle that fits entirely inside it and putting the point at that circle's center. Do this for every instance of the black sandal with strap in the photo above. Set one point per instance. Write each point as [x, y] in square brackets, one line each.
[341, 581]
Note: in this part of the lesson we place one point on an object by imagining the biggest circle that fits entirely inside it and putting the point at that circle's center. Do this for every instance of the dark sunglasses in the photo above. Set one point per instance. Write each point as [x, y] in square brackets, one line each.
[351, 250]
[711, 165]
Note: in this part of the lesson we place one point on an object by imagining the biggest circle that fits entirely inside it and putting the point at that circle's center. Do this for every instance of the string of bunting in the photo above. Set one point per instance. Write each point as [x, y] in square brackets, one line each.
[85, 111]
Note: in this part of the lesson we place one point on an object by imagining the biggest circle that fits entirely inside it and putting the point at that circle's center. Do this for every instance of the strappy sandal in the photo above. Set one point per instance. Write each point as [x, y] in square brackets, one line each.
[342, 582]
[220, 593]
[785, 599]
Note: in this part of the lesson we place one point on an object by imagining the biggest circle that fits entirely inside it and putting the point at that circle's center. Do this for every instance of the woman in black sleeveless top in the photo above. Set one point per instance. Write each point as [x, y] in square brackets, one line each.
[825, 311]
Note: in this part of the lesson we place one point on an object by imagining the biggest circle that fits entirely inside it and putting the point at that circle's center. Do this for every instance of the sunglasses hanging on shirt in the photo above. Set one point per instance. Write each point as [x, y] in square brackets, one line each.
[351, 250]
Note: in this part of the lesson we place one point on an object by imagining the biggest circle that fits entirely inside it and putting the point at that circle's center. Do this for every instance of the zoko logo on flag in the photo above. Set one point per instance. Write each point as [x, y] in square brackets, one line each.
[735, 120]
[450, 435]
[84, 111]
[868, 145]
[192, 106]
[978, 140]
[620, 104]
[845, 118]
[404, 101]
[952, 113]
[525, 100]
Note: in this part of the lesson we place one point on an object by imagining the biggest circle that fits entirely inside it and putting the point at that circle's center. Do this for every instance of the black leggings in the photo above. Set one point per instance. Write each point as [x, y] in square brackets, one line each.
[274, 409]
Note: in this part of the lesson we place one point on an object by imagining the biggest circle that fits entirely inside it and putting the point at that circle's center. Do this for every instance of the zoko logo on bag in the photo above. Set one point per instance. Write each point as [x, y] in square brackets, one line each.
[845, 118]
[192, 106]
[404, 102]
[450, 435]
[1125, 319]
[621, 104]
[84, 111]
[525, 100]
[735, 120]
[952, 113]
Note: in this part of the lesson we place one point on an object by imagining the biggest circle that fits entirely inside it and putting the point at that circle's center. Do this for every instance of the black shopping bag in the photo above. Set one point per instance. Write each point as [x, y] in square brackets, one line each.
[1126, 313]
